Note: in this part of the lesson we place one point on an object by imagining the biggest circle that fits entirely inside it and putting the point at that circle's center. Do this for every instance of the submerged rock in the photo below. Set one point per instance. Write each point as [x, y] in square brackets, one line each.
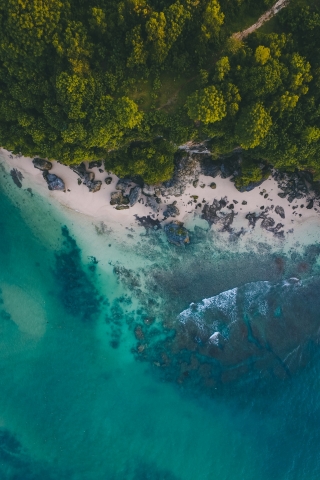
[148, 223]
[253, 331]
[177, 234]
[17, 177]
[54, 182]
[41, 164]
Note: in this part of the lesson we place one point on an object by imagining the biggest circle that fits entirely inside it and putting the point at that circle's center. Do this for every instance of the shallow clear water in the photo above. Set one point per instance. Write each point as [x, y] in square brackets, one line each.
[76, 402]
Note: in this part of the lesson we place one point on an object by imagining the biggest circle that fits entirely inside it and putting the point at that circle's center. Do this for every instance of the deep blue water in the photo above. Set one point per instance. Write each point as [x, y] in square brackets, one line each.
[80, 401]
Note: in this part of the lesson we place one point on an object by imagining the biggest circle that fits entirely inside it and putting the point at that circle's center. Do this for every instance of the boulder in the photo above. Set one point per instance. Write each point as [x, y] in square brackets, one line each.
[268, 223]
[42, 164]
[88, 178]
[122, 207]
[177, 234]
[117, 198]
[153, 203]
[134, 195]
[94, 186]
[310, 205]
[54, 182]
[253, 218]
[172, 210]
[123, 184]
[108, 180]
[280, 211]
[213, 185]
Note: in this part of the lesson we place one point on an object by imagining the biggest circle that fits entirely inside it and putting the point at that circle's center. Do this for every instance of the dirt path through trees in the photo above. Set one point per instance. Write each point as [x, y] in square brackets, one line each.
[279, 5]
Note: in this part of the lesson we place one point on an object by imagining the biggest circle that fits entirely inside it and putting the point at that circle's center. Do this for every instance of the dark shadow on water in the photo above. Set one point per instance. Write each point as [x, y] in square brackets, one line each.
[17, 464]
[77, 291]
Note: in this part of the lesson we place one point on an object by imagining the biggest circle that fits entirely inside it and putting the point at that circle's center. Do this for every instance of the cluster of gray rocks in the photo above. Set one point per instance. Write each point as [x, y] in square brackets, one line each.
[191, 162]
[53, 181]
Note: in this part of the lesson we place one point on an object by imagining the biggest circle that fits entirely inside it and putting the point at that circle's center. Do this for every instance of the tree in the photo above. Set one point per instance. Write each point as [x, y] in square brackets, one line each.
[253, 125]
[207, 105]
[262, 54]
[212, 20]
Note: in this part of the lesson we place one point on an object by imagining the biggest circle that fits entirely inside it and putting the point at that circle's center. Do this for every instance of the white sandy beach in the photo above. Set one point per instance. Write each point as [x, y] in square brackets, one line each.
[298, 222]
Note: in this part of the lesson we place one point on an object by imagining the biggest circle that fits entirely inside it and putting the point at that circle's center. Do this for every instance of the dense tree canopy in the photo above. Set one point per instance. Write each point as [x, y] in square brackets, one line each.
[87, 79]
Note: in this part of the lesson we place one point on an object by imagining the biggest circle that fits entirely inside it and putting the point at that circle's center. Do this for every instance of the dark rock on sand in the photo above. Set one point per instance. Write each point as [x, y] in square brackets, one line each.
[268, 223]
[88, 178]
[213, 185]
[94, 186]
[153, 203]
[280, 211]
[123, 184]
[253, 218]
[210, 212]
[41, 164]
[108, 180]
[134, 195]
[54, 182]
[177, 234]
[148, 222]
[172, 210]
[117, 198]
[310, 204]
[17, 177]
[122, 207]
[293, 184]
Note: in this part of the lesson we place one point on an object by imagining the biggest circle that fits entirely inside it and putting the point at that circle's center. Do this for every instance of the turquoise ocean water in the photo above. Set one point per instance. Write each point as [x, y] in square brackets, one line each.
[93, 384]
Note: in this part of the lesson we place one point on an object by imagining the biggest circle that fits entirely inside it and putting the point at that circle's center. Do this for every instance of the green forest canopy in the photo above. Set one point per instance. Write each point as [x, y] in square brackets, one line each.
[106, 79]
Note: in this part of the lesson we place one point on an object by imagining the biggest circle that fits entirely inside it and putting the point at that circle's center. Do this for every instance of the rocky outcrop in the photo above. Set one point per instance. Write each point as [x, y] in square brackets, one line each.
[134, 195]
[172, 210]
[153, 203]
[122, 207]
[54, 182]
[280, 211]
[42, 164]
[177, 234]
[88, 178]
[117, 198]
[123, 184]
[213, 215]
[253, 331]
[294, 185]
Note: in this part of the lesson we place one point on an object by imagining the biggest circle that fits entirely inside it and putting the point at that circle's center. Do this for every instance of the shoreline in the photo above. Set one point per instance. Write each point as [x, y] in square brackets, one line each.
[229, 218]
